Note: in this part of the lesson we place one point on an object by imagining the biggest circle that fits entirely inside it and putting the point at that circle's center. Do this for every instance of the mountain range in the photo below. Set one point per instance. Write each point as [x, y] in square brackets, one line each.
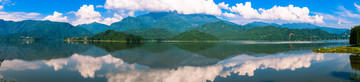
[296, 26]
[47, 30]
[166, 25]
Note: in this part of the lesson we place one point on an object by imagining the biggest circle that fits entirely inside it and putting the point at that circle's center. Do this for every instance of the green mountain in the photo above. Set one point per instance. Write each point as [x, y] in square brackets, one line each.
[257, 24]
[271, 33]
[194, 35]
[171, 21]
[199, 19]
[296, 26]
[221, 30]
[114, 35]
[311, 26]
[128, 24]
[94, 27]
[165, 20]
[46, 30]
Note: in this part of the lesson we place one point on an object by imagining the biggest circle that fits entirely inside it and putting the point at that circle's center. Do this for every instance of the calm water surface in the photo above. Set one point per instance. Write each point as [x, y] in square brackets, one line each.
[175, 62]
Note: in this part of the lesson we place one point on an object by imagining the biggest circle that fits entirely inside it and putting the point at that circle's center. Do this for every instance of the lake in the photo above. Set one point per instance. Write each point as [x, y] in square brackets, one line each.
[231, 61]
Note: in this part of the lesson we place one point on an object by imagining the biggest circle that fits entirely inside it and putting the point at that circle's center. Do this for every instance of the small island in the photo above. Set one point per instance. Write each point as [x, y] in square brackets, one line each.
[109, 36]
[194, 36]
[354, 41]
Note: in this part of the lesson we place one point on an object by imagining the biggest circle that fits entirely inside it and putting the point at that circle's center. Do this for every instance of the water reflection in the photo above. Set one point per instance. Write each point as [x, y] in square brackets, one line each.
[355, 61]
[18, 65]
[87, 65]
[116, 46]
[39, 50]
[169, 62]
[241, 65]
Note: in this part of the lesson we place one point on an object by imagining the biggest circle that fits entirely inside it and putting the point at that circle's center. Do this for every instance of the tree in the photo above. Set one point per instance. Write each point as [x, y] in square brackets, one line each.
[355, 35]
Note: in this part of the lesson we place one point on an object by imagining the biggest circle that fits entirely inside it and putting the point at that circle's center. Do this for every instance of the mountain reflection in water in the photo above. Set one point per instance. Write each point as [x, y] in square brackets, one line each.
[154, 62]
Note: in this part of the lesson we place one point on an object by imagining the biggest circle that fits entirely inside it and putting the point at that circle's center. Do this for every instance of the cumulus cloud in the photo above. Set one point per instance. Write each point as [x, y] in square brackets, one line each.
[86, 15]
[182, 6]
[1, 7]
[18, 16]
[289, 13]
[226, 14]
[58, 17]
[222, 5]
[109, 21]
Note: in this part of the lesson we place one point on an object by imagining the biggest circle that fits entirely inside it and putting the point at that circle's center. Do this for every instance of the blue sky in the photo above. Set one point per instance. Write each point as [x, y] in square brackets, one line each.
[331, 13]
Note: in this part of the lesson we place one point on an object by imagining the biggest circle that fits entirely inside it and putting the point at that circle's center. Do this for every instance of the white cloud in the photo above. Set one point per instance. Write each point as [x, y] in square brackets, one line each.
[1, 7]
[289, 13]
[347, 13]
[182, 6]
[99, 6]
[109, 21]
[222, 5]
[86, 15]
[4, 0]
[226, 14]
[18, 16]
[357, 7]
[58, 17]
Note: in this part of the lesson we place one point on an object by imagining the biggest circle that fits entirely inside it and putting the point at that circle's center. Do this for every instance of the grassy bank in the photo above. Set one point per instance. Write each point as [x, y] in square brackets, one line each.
[353, 50]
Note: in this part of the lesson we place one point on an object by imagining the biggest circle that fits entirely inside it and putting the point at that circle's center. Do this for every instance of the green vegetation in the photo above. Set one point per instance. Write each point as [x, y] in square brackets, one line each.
[109, 36]
[194, 35]
[152, 33]
[353, 50]
[117, 36]
[221, 30]
[355, 35]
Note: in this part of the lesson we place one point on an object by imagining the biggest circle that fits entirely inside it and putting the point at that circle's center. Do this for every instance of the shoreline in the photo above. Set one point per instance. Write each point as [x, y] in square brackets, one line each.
[241, 41]
[342, 49]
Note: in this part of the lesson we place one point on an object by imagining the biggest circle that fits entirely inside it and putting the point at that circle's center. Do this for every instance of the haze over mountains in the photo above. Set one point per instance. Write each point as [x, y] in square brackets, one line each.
[165, 25]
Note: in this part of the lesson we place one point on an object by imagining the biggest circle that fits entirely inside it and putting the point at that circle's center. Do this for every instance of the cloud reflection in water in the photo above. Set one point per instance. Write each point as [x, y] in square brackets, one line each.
[88, 65]
[241, 65]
